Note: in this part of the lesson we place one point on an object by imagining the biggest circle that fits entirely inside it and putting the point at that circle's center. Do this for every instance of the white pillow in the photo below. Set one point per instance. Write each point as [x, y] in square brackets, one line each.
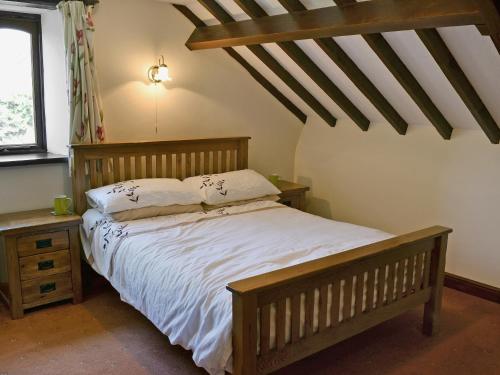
[147, 192]
[231, 186]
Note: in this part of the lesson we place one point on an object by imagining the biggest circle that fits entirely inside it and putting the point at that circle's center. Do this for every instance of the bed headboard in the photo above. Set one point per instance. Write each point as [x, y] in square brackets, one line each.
[107, 163]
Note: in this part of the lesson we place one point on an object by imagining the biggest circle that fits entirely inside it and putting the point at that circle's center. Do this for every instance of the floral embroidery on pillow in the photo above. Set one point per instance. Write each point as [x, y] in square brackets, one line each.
[206, 182]
[121, 187]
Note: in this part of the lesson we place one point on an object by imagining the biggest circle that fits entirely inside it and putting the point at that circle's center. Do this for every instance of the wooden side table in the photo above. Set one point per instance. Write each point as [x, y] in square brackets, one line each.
[39, 259]
[292, 194]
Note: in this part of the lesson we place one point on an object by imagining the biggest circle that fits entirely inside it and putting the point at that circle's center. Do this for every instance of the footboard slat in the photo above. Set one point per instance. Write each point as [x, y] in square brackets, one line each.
[381, 277]
[400, 278]
[360, 288]
[265, 328]
[335, 315]
[323, 308]
[322, 302]
[309, 316]
[370, 289]
[280, 323]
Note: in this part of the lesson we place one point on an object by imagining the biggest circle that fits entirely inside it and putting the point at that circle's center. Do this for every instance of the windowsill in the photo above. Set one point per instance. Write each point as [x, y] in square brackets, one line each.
[31, 159]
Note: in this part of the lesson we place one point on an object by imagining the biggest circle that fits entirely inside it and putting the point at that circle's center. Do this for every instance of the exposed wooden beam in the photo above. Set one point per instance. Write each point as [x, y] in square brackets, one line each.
[249, 68]
[438, 49]
[483, 29]
[352, 71]
[224, 17]
[490, 10]
[399, 70]
[360, 18]
[254, 10]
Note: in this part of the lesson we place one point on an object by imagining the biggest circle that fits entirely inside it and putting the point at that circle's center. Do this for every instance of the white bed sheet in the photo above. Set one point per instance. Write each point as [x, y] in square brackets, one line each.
[174, 269]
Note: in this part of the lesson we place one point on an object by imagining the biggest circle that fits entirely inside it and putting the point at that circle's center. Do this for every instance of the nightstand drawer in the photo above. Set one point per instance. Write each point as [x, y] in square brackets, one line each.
[42, 265]
[42, 243]
[47, 289]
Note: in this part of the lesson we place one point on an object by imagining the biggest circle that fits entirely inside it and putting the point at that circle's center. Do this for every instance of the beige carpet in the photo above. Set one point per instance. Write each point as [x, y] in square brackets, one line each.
[106, 336]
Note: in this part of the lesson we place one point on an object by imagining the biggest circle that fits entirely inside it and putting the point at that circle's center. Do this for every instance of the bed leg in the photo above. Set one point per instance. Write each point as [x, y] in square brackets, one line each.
[244, 334]
[432, 310]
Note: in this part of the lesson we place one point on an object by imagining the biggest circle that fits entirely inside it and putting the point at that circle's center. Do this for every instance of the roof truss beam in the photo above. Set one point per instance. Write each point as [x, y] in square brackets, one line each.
[405, 78]
[249, 68]
[311, 69]
[491, 13]
[444, 58]
[224, 17]
[354, 73]
[358, 18]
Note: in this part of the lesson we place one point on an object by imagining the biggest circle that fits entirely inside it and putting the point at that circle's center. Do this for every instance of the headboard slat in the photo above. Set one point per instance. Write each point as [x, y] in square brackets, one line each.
[103, 164]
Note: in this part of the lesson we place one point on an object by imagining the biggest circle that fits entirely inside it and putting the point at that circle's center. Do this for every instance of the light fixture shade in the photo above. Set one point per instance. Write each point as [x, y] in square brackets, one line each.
[159, 73]
[162, 74]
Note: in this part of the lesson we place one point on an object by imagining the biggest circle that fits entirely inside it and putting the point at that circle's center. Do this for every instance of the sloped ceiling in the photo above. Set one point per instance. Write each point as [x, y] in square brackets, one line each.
[476, 55]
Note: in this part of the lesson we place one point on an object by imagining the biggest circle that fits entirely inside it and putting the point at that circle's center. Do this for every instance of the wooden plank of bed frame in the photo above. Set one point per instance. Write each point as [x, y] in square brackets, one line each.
[382, 270]
[358, 302]
[295, 311]
[370, 286]
[127, 165]
[309, 313]
[400, 279]
[418, 272]
[346, 311]
[265, 328]
[323, 307]
[335, 309]
[280, 323]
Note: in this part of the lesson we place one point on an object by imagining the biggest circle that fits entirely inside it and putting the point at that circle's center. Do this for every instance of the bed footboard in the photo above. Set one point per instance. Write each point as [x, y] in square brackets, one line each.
[283, 316]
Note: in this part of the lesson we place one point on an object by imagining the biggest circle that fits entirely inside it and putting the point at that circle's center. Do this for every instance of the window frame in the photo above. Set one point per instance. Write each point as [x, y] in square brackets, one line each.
[31, 23]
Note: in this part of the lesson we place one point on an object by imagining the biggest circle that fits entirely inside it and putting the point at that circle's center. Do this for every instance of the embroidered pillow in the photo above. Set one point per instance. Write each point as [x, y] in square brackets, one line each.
[231, 186]
[133, 194]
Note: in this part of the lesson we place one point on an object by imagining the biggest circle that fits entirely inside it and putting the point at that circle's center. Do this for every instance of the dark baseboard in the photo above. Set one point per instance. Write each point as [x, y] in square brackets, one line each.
[474, 288]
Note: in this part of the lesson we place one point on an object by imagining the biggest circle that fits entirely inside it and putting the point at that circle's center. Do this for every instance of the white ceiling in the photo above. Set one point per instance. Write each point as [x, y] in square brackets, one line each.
[475, 53]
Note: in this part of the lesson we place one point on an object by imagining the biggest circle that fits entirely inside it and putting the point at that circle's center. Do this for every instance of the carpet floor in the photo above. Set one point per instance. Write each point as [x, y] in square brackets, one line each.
[105, 336]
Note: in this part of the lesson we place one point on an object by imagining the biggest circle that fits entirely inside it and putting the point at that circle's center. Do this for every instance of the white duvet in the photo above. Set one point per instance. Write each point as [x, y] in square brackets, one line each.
[174, 269]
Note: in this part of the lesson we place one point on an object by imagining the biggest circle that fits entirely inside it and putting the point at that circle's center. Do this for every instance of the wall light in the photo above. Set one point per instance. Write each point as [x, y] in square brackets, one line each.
[159, 73]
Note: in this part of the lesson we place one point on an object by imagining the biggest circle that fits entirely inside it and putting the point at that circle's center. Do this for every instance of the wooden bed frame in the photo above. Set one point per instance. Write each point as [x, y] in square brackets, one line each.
[395, 275]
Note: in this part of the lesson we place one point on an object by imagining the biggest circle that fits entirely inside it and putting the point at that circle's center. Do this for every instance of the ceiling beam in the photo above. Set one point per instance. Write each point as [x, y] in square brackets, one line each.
[403, 75]
[359, 18]
[438, 49]
[352, 71]
[249, 68]
[224, 17]
[293, 51]
[491, 13]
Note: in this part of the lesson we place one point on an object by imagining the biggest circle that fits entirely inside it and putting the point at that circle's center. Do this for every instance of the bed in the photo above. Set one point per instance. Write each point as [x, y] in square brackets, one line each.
[287, 295]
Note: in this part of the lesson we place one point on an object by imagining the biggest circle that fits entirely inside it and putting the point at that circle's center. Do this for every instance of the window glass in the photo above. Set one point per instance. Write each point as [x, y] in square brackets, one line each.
[17, 110]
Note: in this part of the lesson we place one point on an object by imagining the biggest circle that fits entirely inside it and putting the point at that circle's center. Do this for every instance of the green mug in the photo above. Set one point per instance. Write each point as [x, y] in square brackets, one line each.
[274, 178]
[61, 205]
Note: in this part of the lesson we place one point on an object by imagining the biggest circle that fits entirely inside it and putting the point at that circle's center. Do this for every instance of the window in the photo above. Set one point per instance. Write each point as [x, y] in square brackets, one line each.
[22, 128]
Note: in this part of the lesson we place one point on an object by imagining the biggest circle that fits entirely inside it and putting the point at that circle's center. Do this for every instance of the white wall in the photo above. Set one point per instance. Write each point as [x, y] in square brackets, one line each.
[210, 96]
[404, 183]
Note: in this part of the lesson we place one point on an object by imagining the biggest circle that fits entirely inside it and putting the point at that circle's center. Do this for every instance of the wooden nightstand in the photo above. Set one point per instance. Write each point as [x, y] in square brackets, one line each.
[293, 195]
[39, 259]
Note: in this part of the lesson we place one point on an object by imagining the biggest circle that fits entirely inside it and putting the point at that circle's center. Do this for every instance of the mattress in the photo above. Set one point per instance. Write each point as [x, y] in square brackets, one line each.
[174, 269]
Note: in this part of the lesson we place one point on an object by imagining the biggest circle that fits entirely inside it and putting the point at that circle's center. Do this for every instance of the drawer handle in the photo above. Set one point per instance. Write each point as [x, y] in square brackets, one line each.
[43, 244]
[45, 265]
[47, 288]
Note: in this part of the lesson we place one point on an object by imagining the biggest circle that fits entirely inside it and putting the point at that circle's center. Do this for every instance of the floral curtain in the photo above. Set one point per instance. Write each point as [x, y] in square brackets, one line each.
[86, 114]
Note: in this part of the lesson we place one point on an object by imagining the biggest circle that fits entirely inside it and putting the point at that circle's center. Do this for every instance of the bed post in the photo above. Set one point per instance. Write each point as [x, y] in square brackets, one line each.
[432, 310]
[244, 334]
